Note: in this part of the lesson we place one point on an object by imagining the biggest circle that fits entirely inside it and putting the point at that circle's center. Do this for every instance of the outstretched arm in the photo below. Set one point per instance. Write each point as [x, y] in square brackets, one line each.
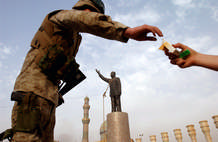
[194, 59]
[102, 77]
[90, 22]
[103, 26]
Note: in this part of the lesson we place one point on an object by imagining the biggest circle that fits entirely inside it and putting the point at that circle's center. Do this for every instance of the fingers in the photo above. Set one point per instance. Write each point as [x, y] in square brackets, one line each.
[157, 31]
[181, 46]
[150, 38]
[171, 56]
[178, 45]
[187, 64]
[140, 33]
[173, 62]
[97, 70]
[180, 62]
[154, 30]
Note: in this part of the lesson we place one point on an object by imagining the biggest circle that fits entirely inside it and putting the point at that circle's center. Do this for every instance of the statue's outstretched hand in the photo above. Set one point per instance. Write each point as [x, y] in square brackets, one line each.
[97, 71]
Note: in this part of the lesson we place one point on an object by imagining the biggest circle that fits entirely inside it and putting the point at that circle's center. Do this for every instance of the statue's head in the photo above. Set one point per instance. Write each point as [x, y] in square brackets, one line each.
[113, 74]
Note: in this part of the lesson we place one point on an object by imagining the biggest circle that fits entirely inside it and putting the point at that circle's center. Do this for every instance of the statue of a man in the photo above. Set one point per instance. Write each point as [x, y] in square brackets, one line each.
[115, 90]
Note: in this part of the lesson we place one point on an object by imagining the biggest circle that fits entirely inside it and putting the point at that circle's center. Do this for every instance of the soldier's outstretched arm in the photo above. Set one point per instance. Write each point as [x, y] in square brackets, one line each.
[102, 77]
[140, 33]
[90, 22]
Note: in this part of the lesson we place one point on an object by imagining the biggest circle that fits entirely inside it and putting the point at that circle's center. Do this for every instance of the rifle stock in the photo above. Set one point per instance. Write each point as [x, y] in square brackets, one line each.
[71, 82]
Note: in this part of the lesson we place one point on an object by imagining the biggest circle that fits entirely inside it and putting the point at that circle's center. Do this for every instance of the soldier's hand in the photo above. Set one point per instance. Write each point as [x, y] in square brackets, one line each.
[140, 33]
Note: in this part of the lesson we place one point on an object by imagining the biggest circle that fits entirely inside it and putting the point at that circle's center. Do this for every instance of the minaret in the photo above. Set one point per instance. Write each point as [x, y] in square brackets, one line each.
[86, 120]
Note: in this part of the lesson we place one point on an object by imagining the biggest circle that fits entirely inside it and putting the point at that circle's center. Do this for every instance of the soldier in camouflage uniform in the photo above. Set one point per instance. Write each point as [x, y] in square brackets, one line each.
[53, 47]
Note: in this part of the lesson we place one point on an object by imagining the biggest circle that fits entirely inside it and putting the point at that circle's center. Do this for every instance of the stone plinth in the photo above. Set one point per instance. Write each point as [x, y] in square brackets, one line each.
[118, 127]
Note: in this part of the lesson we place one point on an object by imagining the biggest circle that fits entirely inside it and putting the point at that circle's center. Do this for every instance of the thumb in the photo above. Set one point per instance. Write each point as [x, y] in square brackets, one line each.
[150, 38]
[180, 46]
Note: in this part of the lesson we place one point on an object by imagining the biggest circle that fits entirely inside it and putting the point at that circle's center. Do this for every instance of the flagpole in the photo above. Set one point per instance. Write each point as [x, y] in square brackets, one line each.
[104, 95]
[103, 110]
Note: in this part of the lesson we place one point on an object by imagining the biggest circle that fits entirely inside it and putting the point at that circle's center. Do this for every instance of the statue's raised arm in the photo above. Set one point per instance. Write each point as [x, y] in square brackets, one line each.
[102, 77]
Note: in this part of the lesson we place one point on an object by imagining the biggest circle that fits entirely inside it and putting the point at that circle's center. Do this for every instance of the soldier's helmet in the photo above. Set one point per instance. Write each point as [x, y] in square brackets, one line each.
[94, 5]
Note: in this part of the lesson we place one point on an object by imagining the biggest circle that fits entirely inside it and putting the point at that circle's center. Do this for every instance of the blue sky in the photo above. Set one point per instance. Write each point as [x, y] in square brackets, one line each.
[157, 95]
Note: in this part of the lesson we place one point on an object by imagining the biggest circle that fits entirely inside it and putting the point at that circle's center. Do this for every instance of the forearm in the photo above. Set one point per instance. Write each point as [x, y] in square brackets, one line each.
[128, 33]
[103, 78]
[207, 61]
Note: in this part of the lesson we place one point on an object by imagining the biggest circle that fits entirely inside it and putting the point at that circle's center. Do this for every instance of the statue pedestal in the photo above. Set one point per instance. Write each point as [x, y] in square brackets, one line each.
[118, 127]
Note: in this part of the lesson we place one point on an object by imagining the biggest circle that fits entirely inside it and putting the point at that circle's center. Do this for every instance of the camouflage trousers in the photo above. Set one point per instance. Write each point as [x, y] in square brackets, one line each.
[45, 119]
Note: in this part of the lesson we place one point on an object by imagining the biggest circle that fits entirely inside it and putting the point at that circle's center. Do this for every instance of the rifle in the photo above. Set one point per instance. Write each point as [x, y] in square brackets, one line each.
[70, 82]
